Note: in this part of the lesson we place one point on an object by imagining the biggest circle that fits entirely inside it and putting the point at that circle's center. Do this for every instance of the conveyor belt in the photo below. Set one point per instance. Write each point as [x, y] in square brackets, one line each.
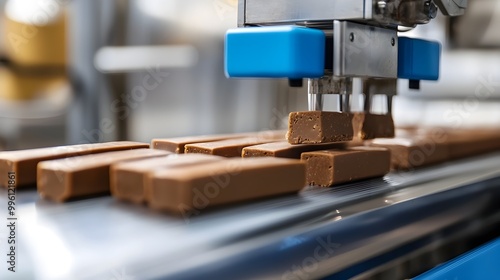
[102, 238]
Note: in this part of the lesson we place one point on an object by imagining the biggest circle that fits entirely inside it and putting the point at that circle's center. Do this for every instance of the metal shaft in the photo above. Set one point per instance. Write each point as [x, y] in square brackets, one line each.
[345, 98]
[315, 102]
[389, 104]
[345, 103]
[367, 106]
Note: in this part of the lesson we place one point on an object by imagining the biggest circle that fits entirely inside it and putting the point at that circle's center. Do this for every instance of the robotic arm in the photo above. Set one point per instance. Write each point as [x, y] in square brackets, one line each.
[330, 42]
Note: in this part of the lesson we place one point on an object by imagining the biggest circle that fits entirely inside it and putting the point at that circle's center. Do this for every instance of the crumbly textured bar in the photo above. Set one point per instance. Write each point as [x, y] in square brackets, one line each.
[286, 150]
[128, 179]
[370, 126]
[408, 153]
[23, 163]
[331, 167]
[77, 177]
[177, 145]
[195, 188]
[314, 127]
[228, 148]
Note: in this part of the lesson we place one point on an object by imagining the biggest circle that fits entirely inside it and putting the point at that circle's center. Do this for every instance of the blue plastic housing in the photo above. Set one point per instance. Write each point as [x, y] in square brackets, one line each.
[418, 59]
[275, 52]
[481, 263]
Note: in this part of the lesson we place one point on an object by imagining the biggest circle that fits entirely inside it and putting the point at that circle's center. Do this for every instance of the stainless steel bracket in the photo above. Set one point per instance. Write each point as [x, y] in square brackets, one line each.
[364, 51]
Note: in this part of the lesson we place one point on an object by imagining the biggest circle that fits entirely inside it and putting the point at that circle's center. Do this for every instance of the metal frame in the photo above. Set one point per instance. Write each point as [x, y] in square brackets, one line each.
[323, 12]
[264, 12]
[364, 51]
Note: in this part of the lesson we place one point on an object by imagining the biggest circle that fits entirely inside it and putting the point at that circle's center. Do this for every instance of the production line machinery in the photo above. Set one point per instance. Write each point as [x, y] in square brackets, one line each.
[332, 42]
[394, 227]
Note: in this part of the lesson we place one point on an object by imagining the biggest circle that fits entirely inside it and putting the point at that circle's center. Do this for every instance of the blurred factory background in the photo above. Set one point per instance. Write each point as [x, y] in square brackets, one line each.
[78, 71]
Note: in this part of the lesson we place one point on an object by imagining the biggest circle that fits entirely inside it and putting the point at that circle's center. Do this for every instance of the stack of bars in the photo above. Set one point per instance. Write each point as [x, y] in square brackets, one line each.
[193, 173]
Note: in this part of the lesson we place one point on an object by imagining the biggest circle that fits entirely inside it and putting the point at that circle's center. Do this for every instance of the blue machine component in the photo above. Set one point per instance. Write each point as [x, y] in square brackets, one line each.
[418, 59]
[275, 52]
[481, 263]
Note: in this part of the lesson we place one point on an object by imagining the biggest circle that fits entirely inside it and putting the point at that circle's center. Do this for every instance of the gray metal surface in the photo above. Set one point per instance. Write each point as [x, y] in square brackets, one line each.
[387, 87]
[372, 87]
[452, 7]
[364, 51]
[315, 102]
[100, 238]
[322, 12]
[328, 85]
[290, 11]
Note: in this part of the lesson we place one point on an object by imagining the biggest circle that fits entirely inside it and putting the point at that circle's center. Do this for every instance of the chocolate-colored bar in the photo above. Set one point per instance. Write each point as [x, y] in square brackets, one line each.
[177, 145]
[128, 179]
[408, 153]
[331, 167]
[192, 189]
[23, 163]
[314, 127]
[472, 142]
[286, 150]
[229, 148]
[370, 126]
[64, 179]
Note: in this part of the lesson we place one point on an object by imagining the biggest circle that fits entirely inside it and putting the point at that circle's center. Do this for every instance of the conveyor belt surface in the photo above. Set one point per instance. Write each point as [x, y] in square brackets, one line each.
[104, 238]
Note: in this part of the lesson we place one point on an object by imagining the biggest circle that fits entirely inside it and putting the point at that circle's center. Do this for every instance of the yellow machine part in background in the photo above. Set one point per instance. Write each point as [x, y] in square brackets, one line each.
[15, 85]
[36, 45]
[38, 58]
